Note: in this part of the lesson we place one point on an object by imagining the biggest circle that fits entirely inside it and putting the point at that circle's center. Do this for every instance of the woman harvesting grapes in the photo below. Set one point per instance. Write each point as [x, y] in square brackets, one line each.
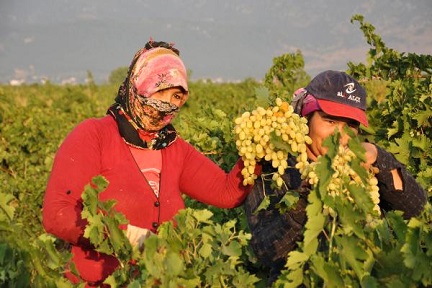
[331, 102]
[146, 163]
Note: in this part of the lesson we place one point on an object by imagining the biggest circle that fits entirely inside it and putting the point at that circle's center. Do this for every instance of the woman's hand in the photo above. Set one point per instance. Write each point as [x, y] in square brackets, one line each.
[137, 235]
[371, 154]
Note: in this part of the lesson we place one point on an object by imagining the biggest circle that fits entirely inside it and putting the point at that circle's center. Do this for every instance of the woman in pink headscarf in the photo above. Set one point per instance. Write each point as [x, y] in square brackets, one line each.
[148, 165]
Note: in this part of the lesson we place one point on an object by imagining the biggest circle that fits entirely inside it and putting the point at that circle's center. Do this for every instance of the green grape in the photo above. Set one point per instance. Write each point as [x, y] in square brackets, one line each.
[253, 131]
[337, 188]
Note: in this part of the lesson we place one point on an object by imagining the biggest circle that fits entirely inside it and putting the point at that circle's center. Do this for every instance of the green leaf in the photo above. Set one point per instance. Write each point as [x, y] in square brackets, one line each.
[314, 225]
[351, 251]
[355, 145]
[324, 172]
[8, 205]
[351, 219]
[296, 260]
[398, 225]
[357, 166]
[287, 202]
[233, 249]
[202, 215]
[362, 198]
[263, 205]
[205, 250]
[292, 280]
[173, 264]
[95, 229]
[327, 271]
[414, 254]
[411, 248]
[423, 117]
[401, 149]
[369, 282]
[262, 97]
[280, 144]
[422, 142]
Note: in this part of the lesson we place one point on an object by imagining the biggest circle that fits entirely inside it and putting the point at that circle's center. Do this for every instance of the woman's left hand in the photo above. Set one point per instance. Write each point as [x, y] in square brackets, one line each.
[371, 154]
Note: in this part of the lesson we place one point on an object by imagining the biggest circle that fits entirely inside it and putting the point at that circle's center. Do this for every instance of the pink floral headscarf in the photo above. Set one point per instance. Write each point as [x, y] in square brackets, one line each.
[143, 121]
[158, 69]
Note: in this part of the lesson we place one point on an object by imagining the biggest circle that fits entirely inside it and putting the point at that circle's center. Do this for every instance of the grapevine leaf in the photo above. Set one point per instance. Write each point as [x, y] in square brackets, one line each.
[243, 280]
[7, 206]
[315, 224]
[280, 144]
[353, 254]
[423, 117]
[324, 171]
[291, 279]
[91, 194]
[52, 255]
[413, 252]
[392, 131]
[401, 149]
[390, 266]
[219, 113]
[104, 247]
[328, 271]
[421, 142]
[173, 264]
[360, 170]
[399, 225]
[350, 218]
[133, 284]
[205, 250]
[262, 96]
[296, 260]
[368, 130]
[369, 281]
[411, 249]
[202, 215]
[107, 205]
[111, 281]
[117, 237]
[332, 143]
[287, 201]
[232, 249]
[355, 145]
[362, 198]
[94, 229]
[358, 150]
[263, 205]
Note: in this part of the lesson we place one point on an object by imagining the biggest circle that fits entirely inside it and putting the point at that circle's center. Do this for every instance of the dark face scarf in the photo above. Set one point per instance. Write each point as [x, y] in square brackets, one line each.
[140, 138]
[143, 122]
[151, 114]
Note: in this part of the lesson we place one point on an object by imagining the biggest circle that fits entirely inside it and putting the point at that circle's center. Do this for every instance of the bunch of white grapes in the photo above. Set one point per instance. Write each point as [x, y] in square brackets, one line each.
[337, 187]
[255, 130]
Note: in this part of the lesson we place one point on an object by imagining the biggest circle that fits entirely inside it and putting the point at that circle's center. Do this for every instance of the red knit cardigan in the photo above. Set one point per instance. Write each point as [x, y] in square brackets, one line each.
[94, 148]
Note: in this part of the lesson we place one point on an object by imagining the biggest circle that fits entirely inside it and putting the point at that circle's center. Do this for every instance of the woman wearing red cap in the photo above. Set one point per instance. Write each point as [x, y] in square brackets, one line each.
[147, 164]
[332, 100]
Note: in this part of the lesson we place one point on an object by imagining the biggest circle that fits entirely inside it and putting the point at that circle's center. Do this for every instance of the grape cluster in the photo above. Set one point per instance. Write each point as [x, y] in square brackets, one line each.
[342, 170]
[257, 131]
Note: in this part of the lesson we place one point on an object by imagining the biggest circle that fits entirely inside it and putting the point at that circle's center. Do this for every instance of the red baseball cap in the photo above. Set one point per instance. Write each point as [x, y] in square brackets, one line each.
[339, 94]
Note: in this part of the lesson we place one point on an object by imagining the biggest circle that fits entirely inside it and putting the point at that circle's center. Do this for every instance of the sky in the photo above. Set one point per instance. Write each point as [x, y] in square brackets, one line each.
[63, 40]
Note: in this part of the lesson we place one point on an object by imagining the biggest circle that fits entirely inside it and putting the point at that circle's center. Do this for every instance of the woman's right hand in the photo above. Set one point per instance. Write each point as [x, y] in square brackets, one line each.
[137, 235]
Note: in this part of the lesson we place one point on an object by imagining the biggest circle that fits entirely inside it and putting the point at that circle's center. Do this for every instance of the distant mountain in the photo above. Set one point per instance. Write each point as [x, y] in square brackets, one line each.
[232, 40]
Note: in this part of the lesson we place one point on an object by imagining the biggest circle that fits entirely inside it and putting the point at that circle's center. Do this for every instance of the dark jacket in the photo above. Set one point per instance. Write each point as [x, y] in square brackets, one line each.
[275, 234]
